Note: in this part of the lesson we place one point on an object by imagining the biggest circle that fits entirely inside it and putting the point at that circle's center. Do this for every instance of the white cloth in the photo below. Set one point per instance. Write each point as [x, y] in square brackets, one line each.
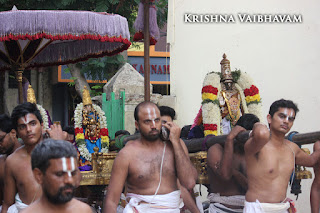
[220, 208]
[165, 203]
[225, 126]
[235, 200]
[257, 207]
[18, 206]
[198, 199]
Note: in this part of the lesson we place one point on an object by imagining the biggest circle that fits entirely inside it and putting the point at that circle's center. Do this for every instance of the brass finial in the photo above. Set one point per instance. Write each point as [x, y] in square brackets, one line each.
[86, 99]
[31, 96]
[225, 68]
[224, 60]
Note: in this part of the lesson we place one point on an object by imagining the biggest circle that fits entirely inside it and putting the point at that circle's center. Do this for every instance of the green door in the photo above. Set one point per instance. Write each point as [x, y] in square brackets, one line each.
[114, 110]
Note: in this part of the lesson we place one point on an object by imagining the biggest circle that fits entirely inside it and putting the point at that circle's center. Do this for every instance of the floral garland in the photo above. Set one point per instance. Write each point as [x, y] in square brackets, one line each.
[210, 104]
[79, 132]
[250, 99]
[44, 116]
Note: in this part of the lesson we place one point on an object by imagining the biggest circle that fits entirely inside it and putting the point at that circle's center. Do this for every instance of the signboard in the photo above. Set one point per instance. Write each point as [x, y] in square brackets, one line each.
[159, 68]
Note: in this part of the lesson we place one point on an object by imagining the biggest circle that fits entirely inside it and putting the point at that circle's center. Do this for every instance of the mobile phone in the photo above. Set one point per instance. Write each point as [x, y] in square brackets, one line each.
[164, 133]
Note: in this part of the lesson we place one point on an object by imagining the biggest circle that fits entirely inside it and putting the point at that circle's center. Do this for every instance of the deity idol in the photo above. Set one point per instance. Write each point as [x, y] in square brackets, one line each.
[225, 97]
[91, 130]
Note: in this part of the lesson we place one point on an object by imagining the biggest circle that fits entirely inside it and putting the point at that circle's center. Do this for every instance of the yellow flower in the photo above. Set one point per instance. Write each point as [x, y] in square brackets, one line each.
[79, 136]
[104, 139]
[253, 98]
[208, 96]
[210, 132]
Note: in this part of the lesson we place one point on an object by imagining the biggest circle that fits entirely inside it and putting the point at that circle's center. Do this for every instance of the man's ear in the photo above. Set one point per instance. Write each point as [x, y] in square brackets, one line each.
[269, 118]
[38, 175]
[137, 125]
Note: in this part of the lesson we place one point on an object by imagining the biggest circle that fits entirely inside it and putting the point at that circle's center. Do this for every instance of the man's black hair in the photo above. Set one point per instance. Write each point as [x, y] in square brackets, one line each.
[22, 110]
[5, 123]
[247, 121]
[51, 149]
[121, 132]
[167, 111]
[282, 103]
[142, 104]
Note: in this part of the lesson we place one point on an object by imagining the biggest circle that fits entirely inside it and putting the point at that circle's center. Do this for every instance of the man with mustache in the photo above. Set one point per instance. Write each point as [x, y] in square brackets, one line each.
[55, 168]
[150, 167]
[271, 159]
[8, 144]
[21, 188]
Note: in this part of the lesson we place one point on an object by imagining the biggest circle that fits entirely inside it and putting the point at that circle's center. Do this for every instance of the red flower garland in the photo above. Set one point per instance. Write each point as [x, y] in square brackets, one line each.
[209, 89]
[252, 91]
[212, 127]
[104, 132]
[78, 130]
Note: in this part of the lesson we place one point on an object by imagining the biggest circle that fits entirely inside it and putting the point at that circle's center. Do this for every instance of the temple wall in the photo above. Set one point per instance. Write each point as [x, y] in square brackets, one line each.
[282, 58]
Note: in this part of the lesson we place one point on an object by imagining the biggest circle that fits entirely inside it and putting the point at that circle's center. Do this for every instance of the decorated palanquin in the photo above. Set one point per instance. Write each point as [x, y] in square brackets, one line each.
[90, 130]
[225, 97]
[31, 98]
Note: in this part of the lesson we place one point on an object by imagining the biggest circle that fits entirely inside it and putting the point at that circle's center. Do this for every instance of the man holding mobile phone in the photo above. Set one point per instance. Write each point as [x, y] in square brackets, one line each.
[151, 167]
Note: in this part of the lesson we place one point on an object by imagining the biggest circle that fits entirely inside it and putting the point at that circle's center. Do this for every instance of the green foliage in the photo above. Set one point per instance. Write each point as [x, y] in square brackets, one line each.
[236, 75]
[72, 83]
[102, 68]
[96, 89]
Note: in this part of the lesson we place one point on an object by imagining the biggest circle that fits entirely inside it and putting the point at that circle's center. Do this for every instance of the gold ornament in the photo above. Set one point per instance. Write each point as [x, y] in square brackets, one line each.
[86, 99]
[225, 69]
[31, 96]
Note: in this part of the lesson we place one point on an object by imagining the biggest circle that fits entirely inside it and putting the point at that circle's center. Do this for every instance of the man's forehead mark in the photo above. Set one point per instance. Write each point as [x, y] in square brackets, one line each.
[152, 115]
[27, 119]
[288, 114]
[68, 165]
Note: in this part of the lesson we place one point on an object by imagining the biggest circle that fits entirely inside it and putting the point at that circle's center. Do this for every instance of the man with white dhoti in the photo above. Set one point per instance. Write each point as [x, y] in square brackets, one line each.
[227, 170]
[271, 159]
[151, 167]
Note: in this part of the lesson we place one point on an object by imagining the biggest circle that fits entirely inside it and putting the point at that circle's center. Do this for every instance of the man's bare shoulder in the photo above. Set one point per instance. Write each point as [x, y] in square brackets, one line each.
[73, 206]
[215, 148]
[130, 146]
[292, 145]
[16, 155]
[78, 206]
[129, 149]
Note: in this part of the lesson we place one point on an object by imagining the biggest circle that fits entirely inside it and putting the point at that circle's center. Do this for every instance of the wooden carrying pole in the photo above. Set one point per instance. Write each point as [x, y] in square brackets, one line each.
[201, 144]
[146, 52]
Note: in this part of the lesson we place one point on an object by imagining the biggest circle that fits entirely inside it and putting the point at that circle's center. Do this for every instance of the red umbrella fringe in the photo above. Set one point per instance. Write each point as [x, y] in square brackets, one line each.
[138, 36]
[153, 26]
[125, 46]
[65, 37]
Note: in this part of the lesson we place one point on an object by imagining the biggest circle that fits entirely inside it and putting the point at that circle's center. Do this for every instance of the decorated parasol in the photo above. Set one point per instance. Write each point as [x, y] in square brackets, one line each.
[37, 38]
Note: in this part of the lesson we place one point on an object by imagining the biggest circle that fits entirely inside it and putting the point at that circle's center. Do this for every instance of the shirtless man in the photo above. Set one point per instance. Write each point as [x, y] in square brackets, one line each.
[270, 160]
[20, 186]
[315, 188]
[227, 170]
[55, 168]
[8, 144]
[151, 167]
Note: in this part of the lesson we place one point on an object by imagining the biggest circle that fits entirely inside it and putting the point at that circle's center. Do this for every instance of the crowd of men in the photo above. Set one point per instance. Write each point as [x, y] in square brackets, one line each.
[39, 175]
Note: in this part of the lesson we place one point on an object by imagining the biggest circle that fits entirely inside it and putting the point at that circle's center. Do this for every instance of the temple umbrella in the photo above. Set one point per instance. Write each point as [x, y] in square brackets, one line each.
[37, 38]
